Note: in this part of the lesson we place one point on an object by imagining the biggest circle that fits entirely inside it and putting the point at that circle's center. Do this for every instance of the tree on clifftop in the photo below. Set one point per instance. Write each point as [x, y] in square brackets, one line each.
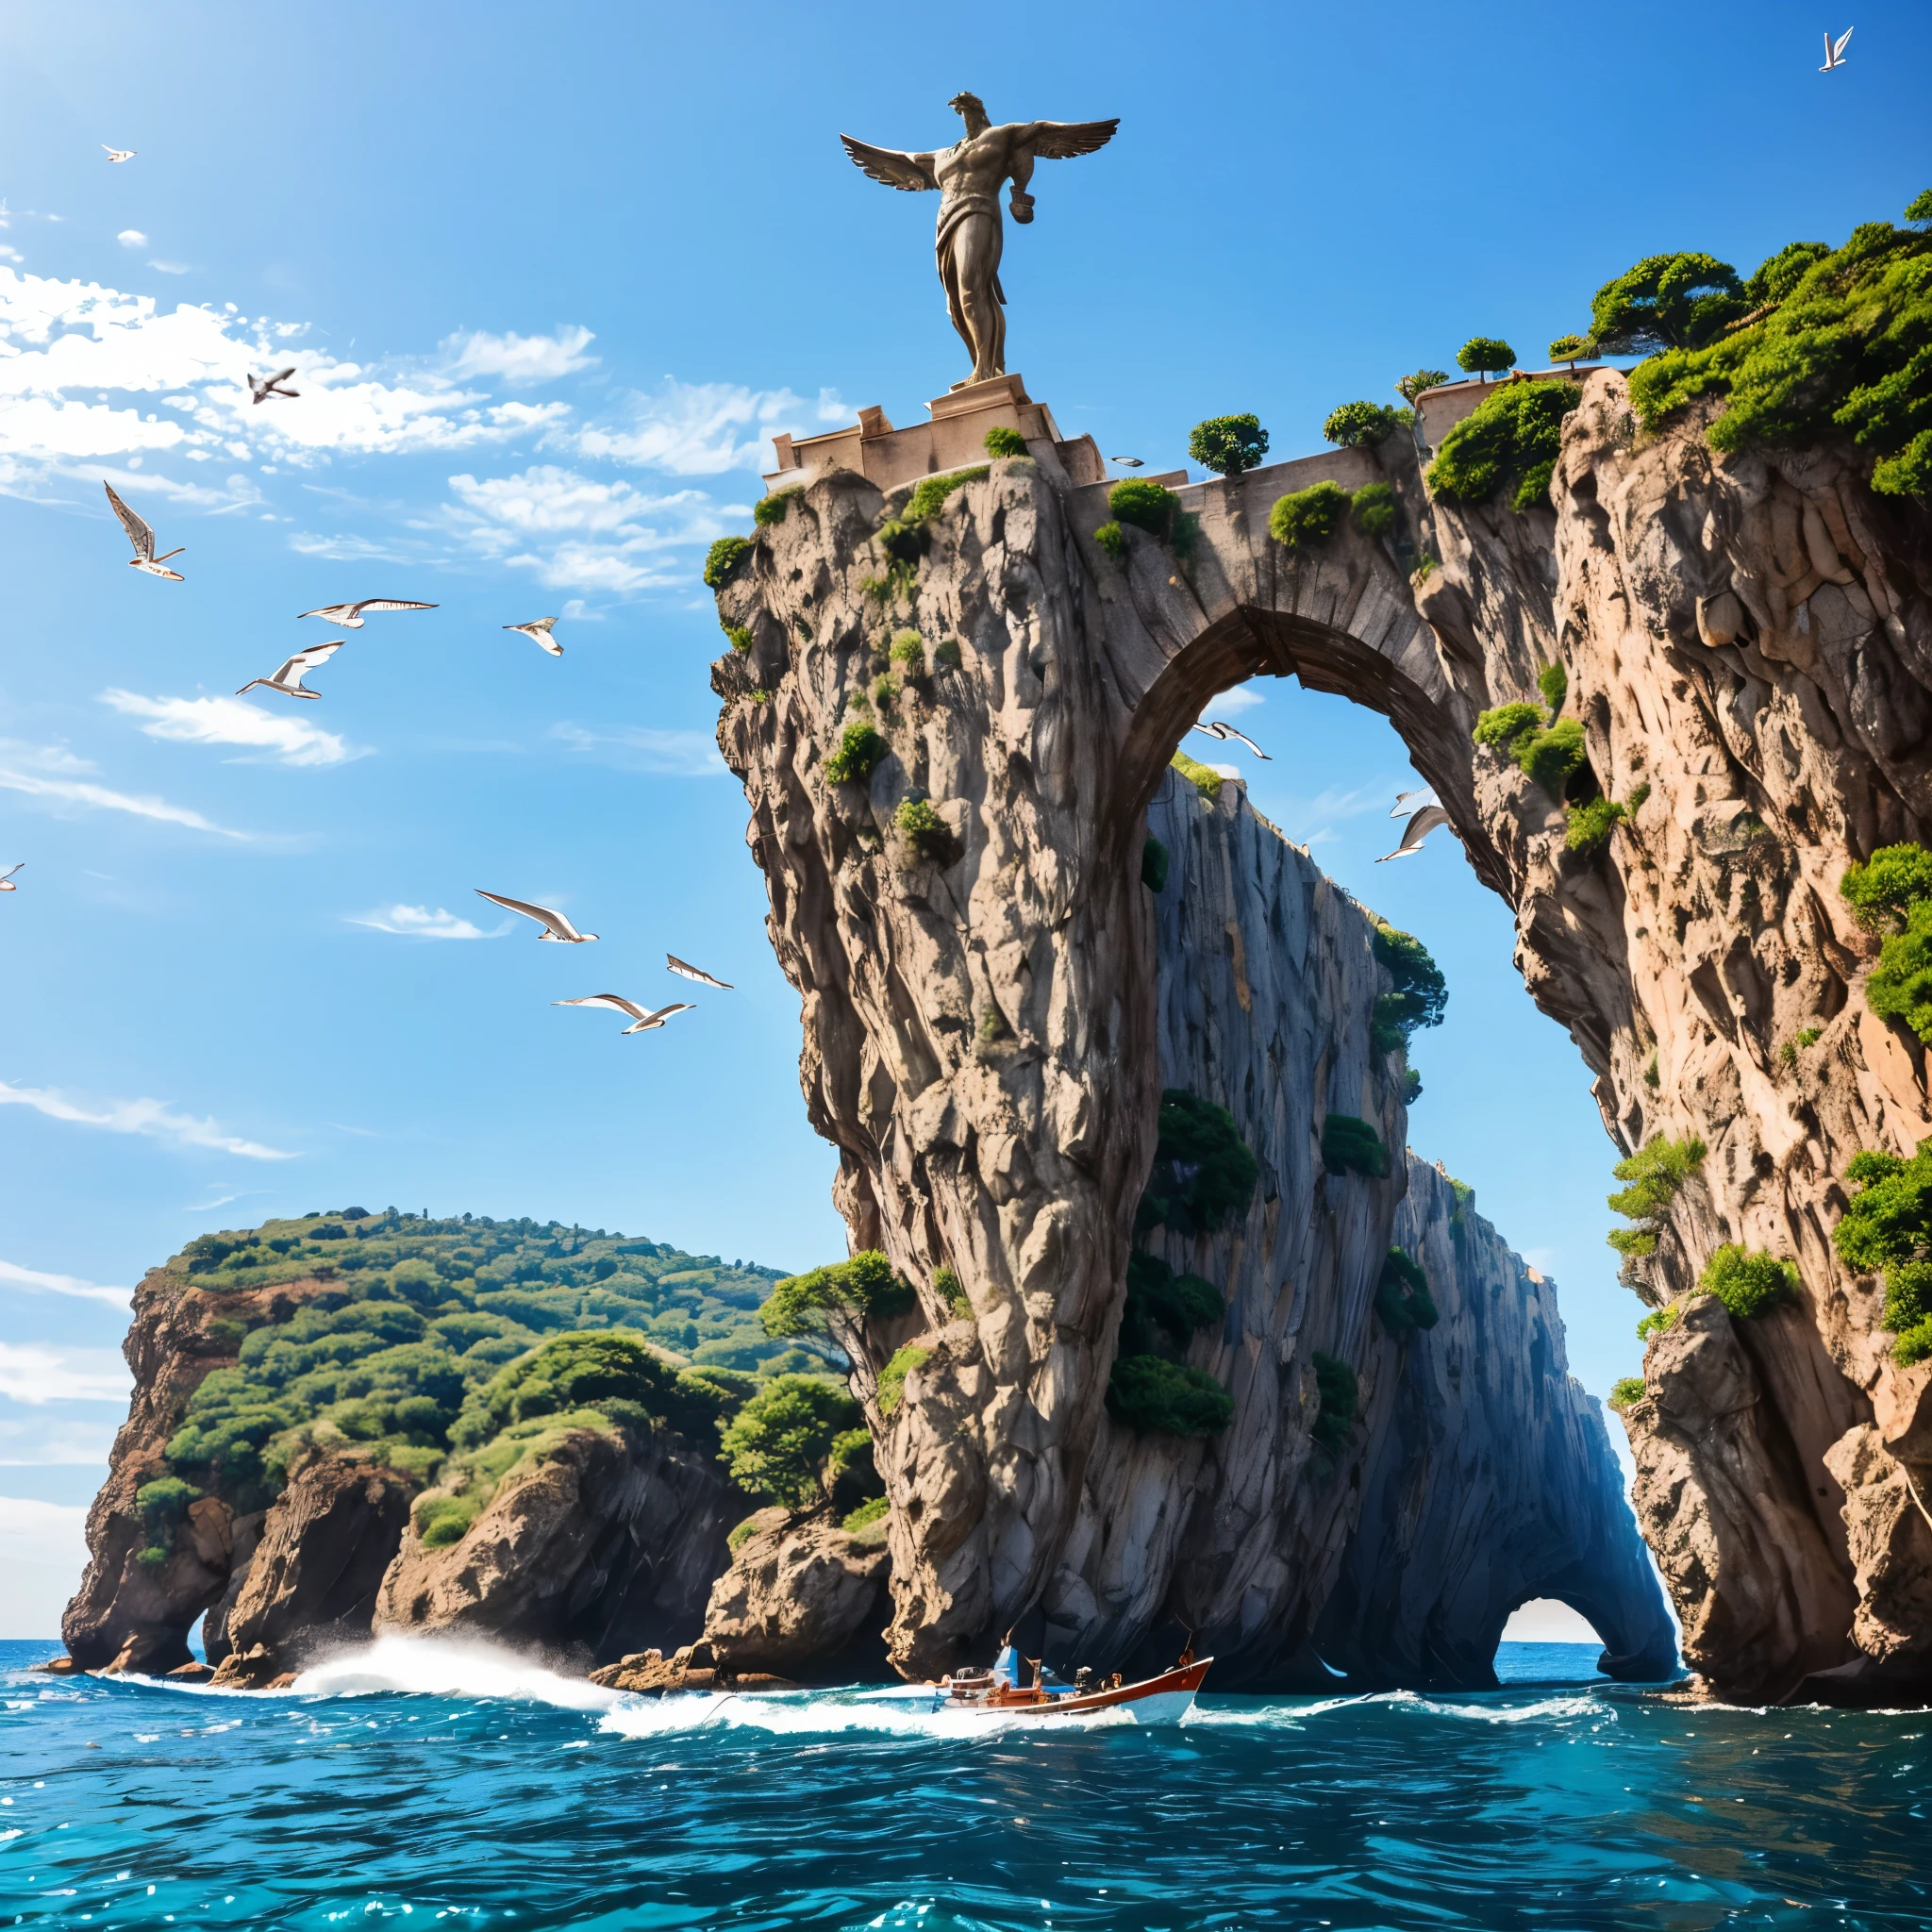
[1481, 353]
[1667, 302]
[1228, 445]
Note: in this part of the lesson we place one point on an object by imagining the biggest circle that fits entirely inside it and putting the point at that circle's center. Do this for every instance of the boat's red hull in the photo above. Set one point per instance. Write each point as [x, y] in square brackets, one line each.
[1170, 1695]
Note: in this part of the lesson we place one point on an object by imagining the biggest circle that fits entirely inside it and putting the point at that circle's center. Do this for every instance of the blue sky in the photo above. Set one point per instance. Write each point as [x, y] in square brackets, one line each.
[551, 282]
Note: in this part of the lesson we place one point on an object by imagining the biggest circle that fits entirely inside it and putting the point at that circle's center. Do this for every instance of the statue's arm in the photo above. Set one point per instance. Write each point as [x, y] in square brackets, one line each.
[896, 169]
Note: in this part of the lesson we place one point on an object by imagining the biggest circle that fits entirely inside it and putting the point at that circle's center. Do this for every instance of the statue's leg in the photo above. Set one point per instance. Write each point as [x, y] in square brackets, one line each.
[975, 263]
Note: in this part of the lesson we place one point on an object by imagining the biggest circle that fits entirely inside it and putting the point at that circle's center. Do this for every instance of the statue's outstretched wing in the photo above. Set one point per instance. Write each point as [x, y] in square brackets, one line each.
[1060, 141]
[896, 170]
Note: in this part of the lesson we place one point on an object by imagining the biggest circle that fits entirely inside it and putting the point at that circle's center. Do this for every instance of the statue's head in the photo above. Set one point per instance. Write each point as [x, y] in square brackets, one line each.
[970, 109]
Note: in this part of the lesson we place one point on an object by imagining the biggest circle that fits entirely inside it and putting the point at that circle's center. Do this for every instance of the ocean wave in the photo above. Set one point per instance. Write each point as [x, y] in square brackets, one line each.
[796, 1714]
[447, 1667]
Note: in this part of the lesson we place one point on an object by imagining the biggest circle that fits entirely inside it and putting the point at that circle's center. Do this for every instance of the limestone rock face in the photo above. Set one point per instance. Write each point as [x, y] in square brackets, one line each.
[132, 1616]
[607, 1543]
[1751, 637]
[311, 1581]
[799, 1599]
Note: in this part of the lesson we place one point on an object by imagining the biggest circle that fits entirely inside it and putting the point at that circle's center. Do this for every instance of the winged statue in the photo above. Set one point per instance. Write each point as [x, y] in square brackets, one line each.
[968, 175]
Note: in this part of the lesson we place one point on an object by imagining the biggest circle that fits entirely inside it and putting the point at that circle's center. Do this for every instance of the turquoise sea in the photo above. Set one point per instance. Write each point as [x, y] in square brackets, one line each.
[445, 1786]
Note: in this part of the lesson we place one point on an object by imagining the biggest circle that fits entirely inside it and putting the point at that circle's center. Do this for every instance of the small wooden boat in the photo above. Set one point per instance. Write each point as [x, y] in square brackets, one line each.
[1162, 1700]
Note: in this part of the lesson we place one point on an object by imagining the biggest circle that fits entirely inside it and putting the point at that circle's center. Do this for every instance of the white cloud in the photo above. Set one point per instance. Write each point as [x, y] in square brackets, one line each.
[705, 429]
[43, 1552]
[639, 748]
[579, 533]
[420, 922]
[54, 1443]
[131, 238]
[33, 1281]
[171, 268]
[230, 721]
[520, 360]
[17, 775]
[32, 1372]
[151, 1118]
[1230, 703]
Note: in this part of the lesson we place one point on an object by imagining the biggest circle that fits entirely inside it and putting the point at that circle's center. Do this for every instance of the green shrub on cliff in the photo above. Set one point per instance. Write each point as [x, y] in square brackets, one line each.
[1887, 1229]
[919, 823]
[1112, 540]
[1162, 1309]
[722, 559]
[1307, 519]
[1410, 387]
[904, 1360]
[1339, 1399]
[1421, 995]
[1659, 1322]
[1149, 506]
[1403, 1300]
[863, 1287]
[1626, 1392]
[163, 1505]
[1376, 510]
[1883, 890]
[768, 510]
[1590, 824]
[1508, 441]
[1667, 302]
[1350, 1145]
[1228, 445]
[1155, 861]
[1157, 1397]
[1553, 757]
[1747, 1282]
[1892, 894]
[1354, 424]
[930, 498]
[1203, 1174]
[1835, 340]
[616, 1374]
[779, 1443]
[1653, 1175]
[874, 1510]
[1204, 779]
[1001, 442]
[859, 750]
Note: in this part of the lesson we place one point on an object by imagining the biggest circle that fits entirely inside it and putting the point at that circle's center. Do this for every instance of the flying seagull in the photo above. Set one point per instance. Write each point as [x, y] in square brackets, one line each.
[6, 884]
[1408, 803]
[1126, 463]
[538, 631]
[685, 970]
[262, 389]
[1215, 729]
[616, 1002]
[119, 154]
[1834, 56]
[556, 926]
[288, 680]
[144, 541]
[1418, 828]
[351, 614]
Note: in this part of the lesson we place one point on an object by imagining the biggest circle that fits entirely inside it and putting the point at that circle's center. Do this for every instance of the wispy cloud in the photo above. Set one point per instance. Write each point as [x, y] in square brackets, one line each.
[32, 1372]
[47, 1443]
[420, 922]
[231, 721]
[33, 1281]
[131, 238]
[705, 429]
[153, 1118]
[639, 748]
[26, 769]
[1243, 697]
[518, 360]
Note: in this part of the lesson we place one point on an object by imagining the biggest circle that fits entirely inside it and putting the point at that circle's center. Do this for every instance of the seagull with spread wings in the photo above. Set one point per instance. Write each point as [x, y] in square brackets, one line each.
[142, 538]
[1409, 803]
[1419, 827]
[351, 614]
[538, 631]
[1215, 729]
[685, 970]
[261, 388]
[616, 1002]
[288, 680]
[119, 154]
[1835, 57]
[6, 884]
[556, 926]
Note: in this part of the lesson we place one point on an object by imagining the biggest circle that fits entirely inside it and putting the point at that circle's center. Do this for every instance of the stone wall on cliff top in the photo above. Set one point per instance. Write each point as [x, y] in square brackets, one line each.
[1750, 636]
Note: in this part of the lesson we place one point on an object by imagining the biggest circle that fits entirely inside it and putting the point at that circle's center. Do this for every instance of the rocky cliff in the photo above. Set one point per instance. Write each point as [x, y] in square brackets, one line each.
[956, 891]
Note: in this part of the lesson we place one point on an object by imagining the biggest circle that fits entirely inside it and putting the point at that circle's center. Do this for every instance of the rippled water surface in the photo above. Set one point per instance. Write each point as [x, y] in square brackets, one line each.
[431, 1784]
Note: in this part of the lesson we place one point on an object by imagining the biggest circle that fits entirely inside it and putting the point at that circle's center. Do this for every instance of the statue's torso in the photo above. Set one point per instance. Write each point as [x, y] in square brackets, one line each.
[974, 167]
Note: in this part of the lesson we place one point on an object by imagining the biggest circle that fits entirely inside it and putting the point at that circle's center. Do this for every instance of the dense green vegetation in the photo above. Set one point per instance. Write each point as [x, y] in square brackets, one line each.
[1886, 1228]
[1377, 511]
[1746, 1281]
[1553, 755]
[1228, 445]
[1410, 387]
[1204, 1173]
[1481, 353]
[1155, 859]
[892, 1376]
[1421, 995]
[1204, 779]
[1353, 1146]
[1659, 1322]
[952, 1291]
[722, 559]
[1148, 506]
[1339, 1399]
[859, 750]
[865, 1286]
[1819, 340]
[1157, 1397]
[780, 1443]
[768, 510]
[1403, 1300]
[929, 497]
[1590, 826]
[1652, 1175]
[1553, 680]
[1002, 442]
[1112, 540]
[1892, 894]
[1508, 441]
[1307, 519]
[918, 821]
[908, 651]
[1355, 424]
[1626, 1391]
[737, 635]
[1163, 1309]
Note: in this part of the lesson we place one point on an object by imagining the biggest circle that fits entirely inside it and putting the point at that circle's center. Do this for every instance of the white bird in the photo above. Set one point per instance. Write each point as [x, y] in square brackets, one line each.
[538, 631]
[143, 538]
[1408, 803]
[6, 884]
[616, 1002]
[1126, 463]
[261, 388]
[1418, 828]
[1215, 729]
[351, 614]
[1834, 56]
[288, 680]
[556, 926]
[685, 970]
[119, 154]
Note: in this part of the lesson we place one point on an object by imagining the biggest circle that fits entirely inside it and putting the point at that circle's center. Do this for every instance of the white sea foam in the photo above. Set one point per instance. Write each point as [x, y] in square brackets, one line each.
[447, 1667]
[795, 1715]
